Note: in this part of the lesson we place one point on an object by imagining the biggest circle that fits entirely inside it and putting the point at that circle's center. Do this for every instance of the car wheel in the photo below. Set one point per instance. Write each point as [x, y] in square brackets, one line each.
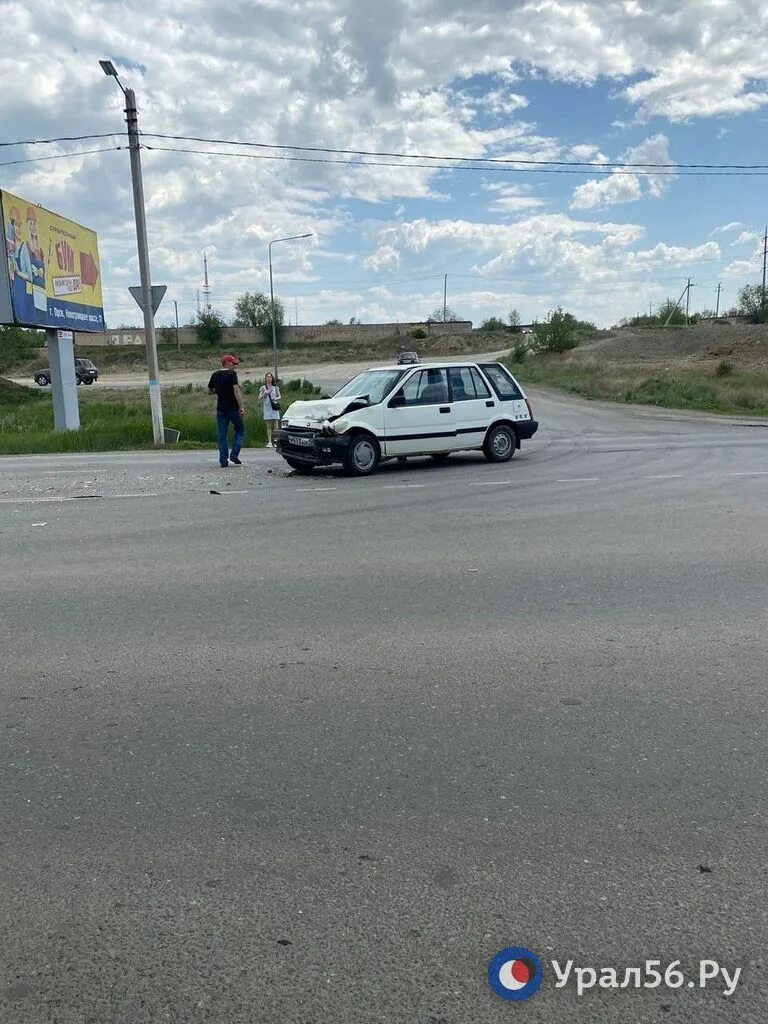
[87, 380]
[42, 380]
[298, 467]
[79, 381]
[363, 455]
[500, 443]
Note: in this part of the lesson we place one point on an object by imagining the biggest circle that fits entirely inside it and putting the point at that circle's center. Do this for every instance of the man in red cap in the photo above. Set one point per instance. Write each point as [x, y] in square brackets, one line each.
[229, 409]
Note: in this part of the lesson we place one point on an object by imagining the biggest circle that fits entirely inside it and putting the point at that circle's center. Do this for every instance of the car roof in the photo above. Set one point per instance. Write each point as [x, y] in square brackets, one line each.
[428, 366]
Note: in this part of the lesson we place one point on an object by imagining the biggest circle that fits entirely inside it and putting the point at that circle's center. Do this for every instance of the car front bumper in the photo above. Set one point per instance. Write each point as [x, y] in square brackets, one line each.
[323, 449]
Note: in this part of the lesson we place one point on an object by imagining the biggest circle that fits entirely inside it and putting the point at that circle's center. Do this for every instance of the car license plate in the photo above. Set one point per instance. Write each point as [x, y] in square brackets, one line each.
[306, 442]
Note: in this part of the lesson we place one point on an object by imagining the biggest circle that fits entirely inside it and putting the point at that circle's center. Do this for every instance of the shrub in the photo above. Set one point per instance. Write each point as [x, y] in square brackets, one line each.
[724, 368]
[418, 333]
[519, 352]
[493, 323]
[210, 327]
[556, 333]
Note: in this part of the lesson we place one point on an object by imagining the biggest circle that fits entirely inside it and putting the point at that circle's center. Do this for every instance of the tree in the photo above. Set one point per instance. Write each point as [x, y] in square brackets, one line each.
[210, 327]
[556, 333]
[493, 323]
[513, 319]
[667, 308]
[333, 323]
[354, 321]
[436, 316]
[252, 309]
[751, 303]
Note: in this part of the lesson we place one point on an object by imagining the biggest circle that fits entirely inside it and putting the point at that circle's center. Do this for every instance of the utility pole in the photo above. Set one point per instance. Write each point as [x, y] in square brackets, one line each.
[134, 146]
[132, 120]
[650, 310]
[445, 297]
[206, 286]
[765, 258]
[674, 308]
[687, 300]
[296, 306]
[176, 307]
[717, 307]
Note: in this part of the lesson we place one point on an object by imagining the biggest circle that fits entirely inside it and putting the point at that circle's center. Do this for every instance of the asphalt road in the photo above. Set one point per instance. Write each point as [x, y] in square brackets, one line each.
[313, 750]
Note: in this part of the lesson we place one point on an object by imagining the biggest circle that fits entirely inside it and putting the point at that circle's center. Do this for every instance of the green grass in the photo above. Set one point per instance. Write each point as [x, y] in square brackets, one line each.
[119, 420]
[701, 387]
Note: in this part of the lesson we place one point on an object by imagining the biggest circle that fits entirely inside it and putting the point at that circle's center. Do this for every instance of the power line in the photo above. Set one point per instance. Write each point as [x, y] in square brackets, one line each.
[357, 164]
[445, 158]
[61, 138]
[61, 156]
[459, 159]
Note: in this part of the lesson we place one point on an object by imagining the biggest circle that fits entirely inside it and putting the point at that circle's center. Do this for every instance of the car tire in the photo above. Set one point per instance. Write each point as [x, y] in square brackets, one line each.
[87, 380]
[42, 380]
[298, 467]
[79, 380]
[500, 443]
[363, 455]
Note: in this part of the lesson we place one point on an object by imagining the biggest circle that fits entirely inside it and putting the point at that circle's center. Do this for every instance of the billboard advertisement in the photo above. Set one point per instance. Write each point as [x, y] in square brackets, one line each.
[49, 276]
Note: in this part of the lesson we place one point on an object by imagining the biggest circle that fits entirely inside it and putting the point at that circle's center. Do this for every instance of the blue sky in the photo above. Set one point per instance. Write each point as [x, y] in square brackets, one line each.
[601, 80]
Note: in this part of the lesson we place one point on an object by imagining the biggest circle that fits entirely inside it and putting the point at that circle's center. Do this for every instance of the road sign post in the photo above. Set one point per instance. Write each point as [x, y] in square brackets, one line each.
[61, 360]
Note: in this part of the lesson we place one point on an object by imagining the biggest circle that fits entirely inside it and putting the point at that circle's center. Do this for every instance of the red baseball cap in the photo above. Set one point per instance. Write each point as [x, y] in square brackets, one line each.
[229, 358]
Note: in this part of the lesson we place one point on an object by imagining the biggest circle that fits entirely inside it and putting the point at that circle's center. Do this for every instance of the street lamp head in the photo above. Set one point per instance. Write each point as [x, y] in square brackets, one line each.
[108, 68]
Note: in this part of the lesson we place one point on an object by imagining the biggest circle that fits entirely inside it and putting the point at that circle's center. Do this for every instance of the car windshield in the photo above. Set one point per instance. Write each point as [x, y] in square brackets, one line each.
[376, 384]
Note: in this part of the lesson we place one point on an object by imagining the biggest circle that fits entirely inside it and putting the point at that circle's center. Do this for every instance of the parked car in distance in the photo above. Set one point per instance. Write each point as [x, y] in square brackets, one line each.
[394, 412]
[408, 358]
[85, 373]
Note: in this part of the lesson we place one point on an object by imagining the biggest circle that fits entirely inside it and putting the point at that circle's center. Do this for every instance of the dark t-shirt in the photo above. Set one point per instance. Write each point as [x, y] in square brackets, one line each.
[223, 383]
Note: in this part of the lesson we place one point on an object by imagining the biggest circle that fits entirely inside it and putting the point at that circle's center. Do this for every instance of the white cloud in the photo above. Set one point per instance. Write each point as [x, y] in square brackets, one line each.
[746, 238]
[623, 186]
[607, 191]
[725, 228]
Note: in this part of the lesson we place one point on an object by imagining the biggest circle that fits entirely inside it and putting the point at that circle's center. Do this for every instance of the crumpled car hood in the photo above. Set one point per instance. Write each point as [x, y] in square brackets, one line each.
[313, 413]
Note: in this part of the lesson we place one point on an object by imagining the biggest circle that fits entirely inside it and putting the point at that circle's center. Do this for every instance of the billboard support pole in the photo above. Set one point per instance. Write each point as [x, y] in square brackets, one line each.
[61, 356]
[132, 120]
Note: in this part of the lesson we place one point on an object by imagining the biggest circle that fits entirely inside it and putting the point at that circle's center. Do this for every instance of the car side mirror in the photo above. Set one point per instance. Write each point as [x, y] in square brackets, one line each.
[397, 401]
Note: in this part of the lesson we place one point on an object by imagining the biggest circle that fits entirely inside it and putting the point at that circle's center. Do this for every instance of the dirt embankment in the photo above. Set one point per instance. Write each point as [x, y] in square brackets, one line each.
[744, 345]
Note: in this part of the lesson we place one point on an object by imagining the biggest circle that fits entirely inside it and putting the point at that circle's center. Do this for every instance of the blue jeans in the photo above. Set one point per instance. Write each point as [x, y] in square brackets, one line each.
[223, 419]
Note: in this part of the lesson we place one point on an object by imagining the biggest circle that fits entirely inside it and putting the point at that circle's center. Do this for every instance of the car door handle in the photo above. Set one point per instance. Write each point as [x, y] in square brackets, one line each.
[490, 405]
[445, 408]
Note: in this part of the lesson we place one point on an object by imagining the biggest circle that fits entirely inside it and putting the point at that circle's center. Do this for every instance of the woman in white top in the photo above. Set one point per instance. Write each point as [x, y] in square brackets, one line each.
[270, 397]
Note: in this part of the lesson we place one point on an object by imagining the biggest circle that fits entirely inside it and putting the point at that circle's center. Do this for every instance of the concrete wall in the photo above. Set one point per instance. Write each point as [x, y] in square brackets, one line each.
[303, 334]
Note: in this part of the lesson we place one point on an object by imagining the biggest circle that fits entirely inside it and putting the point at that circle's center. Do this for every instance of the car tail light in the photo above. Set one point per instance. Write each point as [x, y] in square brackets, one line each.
[530, 409]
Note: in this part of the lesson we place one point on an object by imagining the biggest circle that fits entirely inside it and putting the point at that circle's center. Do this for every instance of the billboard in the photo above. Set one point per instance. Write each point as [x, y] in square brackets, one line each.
[49, 275]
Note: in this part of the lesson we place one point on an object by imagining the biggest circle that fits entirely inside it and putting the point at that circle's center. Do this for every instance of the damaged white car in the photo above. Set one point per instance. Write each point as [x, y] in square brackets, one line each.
[395, 412]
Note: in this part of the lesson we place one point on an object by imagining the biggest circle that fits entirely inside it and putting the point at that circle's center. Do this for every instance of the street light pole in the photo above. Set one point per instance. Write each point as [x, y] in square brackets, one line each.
[176, 307]
[134, 146]
[290, 238]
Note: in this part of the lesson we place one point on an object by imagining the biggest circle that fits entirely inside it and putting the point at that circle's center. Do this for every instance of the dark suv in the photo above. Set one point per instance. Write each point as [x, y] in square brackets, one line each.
[408, 358]
[85, 373]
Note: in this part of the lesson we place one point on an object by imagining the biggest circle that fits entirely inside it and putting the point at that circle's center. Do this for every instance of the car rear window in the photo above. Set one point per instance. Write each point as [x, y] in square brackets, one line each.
[503, 384]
